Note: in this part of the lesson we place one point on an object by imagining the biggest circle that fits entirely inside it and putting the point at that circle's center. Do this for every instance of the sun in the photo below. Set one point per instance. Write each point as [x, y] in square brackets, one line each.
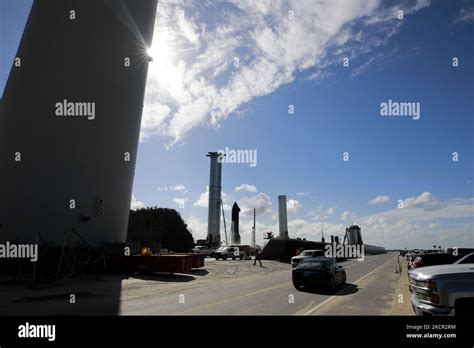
[160, 49]
[162, 59]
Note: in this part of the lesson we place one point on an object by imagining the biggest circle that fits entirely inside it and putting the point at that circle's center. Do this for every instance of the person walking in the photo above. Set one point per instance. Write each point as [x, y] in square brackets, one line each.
[257, 258]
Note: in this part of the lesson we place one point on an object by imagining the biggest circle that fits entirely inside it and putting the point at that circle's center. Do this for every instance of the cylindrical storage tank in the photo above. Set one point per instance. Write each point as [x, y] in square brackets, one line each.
[70, 120]
[350, 240]
[354, 235]
[282, 217]
[214, 206]
[359, 236]
[351, 235]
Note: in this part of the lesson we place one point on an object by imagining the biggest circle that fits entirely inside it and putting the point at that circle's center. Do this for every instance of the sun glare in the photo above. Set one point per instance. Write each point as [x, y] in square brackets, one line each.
[160, 49]
[161, 54]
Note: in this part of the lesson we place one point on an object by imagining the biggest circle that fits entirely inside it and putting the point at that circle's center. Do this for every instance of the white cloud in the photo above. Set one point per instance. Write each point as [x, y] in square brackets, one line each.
[188, 27]
[261, 202]
[245, 229]
[397, 233]
[427, 221]
[246, 188]
[193, 81]
[423, 198]
[179, 187]
[316, 214]
[302, 193]
[293, 206]
[373, 220]
[181, 202]
[203, 200]
[348, 215]
[466, 15]
[197, 227]
[320, 213]
[301, 228]
[451, 209]
[379, 200]
[135, 204]
[397, 228]
[417, 227]
[374, 63]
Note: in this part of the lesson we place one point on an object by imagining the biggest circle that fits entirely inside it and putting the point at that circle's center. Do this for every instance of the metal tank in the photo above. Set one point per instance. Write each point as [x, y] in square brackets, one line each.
[70, 120]
[354, 235]
[214, 207]
[282, 217]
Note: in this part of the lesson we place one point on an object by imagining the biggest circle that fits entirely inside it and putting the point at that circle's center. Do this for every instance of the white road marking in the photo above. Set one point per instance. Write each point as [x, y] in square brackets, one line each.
[357, 281]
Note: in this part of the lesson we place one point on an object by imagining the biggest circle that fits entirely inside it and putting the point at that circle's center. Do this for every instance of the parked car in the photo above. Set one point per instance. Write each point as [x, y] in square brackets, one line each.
[229, 252]
[245, 250]
[295, 260]
[317, 272]
[203, 249]
[433, 259]
[443, 290]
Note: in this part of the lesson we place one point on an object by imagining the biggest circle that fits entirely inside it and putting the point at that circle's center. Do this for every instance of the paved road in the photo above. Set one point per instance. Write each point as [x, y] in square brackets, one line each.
[268, 293]
[220, 288]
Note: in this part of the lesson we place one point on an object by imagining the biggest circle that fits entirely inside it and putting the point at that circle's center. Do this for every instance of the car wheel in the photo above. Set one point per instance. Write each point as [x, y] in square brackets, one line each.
[332, 283]
[297, 285]
[233, 258]
[224, 258]
[241, 257]
[217, 257]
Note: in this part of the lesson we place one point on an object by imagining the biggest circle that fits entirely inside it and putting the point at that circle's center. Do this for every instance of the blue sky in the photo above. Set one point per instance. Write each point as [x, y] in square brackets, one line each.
[198, 100]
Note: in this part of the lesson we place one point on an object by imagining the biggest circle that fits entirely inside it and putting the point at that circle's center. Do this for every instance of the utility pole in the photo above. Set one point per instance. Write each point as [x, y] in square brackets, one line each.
[225, 229]
[253, 228]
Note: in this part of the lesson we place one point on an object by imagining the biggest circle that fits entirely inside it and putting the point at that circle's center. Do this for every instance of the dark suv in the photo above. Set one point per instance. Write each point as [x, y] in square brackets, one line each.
[318, 271]
[434, 259]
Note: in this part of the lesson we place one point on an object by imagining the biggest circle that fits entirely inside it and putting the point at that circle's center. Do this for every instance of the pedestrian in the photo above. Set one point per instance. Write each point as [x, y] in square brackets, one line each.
[257, 257]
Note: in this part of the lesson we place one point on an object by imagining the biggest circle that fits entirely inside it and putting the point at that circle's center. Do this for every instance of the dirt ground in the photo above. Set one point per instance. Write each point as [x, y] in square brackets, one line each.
[401, 303]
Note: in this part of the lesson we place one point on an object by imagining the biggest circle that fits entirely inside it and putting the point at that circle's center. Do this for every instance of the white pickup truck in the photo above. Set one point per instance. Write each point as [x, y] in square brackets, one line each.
[203, 250]
[232, 252]
[443, 289]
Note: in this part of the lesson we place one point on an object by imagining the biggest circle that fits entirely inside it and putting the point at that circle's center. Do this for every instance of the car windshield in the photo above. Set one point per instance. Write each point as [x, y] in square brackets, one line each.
[312, 263]
[306, 253]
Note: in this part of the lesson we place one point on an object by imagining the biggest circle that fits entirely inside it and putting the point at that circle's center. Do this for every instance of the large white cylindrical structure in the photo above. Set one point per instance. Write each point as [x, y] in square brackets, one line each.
[214, 207]
[70, 120]
[282, 217]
